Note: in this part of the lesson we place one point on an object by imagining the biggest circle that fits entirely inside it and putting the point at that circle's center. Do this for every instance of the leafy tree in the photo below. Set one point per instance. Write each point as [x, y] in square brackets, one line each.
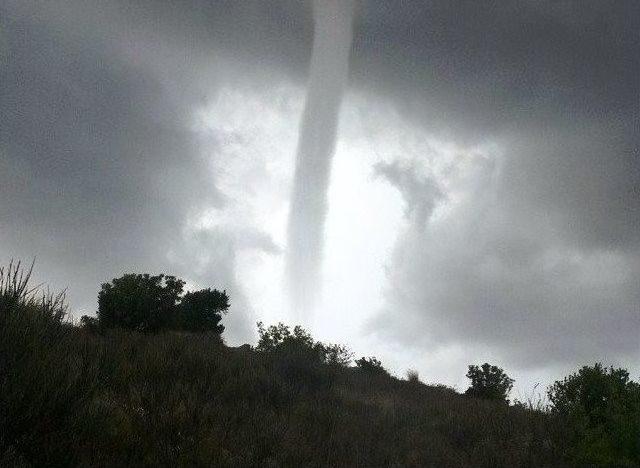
[202, 310]
[489, 382]
[282, 339]
[337, 355]
[370, 365]
[280, 336]
[295, 355]
[151, 303]
[602, 409]
[141, 302]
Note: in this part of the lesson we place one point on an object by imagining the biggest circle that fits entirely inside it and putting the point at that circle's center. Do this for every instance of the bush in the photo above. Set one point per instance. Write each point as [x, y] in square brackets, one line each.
[281, 339]
[151, 303]
[280, 336]
[602, 409]
[337, 355]
[202, 310]
[296, 356]
[413, 376]
[139, 302]
[370, 365]
[90, 324]
[489, 382]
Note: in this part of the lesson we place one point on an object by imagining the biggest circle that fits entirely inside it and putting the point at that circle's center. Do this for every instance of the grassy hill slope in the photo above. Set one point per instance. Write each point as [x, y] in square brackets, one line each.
[71, 397]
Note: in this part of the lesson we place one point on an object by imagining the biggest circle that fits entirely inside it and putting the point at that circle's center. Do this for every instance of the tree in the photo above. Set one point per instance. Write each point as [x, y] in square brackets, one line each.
[294, 355]
[602, 409]
[141, 302]
[489, 382]
[337, 355]
[370, 365]
[151, 303]
[202, 310]
[281, 339]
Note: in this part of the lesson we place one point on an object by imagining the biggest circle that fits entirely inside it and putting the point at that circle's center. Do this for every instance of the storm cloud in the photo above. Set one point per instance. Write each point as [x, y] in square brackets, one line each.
[521, 197]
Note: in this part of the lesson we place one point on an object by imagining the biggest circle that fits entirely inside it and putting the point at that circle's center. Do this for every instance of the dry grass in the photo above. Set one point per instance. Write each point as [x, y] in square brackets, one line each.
[69, 397]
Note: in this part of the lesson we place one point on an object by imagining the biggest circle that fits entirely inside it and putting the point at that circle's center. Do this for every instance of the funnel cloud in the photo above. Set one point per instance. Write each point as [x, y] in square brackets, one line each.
[316, 145]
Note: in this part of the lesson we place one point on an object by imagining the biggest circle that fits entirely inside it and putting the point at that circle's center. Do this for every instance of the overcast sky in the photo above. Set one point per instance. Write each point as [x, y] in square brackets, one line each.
[484, 202]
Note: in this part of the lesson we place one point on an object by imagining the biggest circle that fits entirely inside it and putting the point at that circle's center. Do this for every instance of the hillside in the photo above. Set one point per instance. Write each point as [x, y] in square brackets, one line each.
[77, 399]
[71, 397]
[95, 396]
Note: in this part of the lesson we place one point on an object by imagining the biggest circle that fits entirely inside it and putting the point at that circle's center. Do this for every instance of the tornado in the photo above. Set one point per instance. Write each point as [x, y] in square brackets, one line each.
[316, 146]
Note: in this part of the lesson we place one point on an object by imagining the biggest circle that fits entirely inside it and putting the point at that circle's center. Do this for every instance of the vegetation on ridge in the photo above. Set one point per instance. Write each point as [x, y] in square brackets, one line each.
[101, 396]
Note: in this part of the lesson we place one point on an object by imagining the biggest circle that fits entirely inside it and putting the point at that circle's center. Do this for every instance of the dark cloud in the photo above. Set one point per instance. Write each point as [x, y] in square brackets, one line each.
[472, 68]
[537, 255]
[100, 168]
[532, 250]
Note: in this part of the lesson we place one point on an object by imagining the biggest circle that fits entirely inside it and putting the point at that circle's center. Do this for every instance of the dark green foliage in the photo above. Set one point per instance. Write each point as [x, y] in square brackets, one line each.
[282, 340]
[601, 408]
[202, 310]
[370, 365]
[297, 357]
[153, 303]
[280, 336]
[139, 302]
[489, 382]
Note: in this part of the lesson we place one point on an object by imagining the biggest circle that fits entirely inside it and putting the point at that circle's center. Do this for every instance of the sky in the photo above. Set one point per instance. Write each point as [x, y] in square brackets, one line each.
[483, 202]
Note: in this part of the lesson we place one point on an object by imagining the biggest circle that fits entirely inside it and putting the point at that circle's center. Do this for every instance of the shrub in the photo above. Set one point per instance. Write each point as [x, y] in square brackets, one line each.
[280, 336]
[413, 376]
[90, 324]
[489, 382]
[295, 356]
[202, 310]
[337, 355]
[370, 365]
[151, 303]
[602, 409]
[139, 302]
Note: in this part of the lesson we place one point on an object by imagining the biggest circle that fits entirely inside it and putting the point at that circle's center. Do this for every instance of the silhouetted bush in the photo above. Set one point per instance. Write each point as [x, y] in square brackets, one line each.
[299, 358]
[202, 310]
[90, 324]
[413, 376]
[489, 382]
[337, 355]
[140, 302]
[282, 339]
[151, 303]
[370, 365]
[601, 408]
